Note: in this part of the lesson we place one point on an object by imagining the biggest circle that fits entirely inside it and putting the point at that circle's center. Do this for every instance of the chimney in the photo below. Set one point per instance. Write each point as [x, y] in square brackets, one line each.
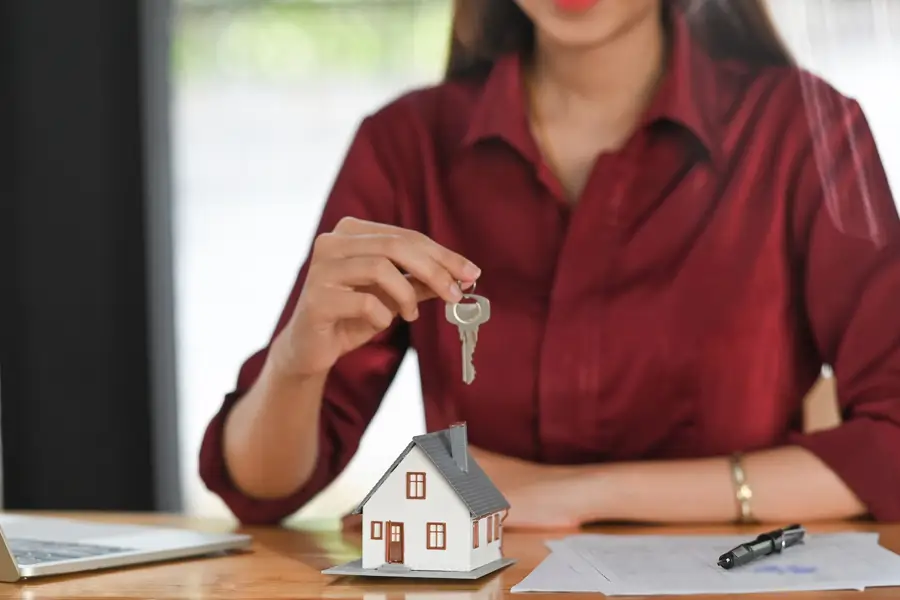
[459, 441]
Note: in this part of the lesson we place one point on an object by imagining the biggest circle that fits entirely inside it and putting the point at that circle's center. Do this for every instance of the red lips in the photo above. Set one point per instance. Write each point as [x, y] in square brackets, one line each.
[574, 5]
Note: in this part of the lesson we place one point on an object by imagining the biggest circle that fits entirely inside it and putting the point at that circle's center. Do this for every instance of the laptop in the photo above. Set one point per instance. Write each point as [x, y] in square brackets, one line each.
[33, 546]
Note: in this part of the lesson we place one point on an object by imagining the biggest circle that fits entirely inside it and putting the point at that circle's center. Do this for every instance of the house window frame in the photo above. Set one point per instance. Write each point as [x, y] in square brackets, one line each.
[379, 527]
[497, 526]
[490, 529]
[440, 533]
[476, 533]
[396, 530]
[412, 482]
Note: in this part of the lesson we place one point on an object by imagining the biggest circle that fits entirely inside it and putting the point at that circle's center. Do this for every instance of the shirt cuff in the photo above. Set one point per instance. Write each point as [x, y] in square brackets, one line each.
[248, 510]
[865, 454]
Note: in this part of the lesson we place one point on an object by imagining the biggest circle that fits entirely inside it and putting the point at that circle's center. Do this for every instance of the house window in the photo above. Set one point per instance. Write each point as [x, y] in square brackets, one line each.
[415, 486]
[475, 533]
[377, 532]
[436, 536]
[490, 529]
[496, 527]
[396, 533]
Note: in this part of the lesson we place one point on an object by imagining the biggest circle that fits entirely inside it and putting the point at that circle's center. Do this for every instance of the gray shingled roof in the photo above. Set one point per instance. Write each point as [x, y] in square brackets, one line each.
[473, 487]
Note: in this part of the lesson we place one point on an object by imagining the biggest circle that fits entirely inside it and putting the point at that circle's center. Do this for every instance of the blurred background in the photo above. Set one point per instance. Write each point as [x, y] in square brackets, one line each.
[266, 98]
[170, 161]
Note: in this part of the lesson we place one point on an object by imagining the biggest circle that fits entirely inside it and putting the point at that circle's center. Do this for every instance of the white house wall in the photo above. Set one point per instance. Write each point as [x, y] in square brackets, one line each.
[485, 552]
[441, 504]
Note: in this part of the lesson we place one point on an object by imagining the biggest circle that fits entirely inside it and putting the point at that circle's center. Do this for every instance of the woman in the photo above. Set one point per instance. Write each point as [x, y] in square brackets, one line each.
[676, 228]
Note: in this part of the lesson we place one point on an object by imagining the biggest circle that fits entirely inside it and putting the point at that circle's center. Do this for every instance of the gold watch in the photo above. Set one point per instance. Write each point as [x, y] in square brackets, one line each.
[742, 492]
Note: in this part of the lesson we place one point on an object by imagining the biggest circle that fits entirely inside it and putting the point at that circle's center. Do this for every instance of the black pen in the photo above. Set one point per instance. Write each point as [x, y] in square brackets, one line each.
[767, 543]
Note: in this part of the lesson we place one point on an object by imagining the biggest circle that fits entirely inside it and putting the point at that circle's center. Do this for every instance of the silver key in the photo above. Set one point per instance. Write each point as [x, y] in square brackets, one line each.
[468, 316]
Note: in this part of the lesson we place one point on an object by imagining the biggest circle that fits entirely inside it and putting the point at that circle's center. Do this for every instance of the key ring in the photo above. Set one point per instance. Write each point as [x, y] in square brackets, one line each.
[471, 291]
[456, 308]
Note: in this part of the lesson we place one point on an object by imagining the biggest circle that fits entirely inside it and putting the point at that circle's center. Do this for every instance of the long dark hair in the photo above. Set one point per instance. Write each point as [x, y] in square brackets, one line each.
[736, 29]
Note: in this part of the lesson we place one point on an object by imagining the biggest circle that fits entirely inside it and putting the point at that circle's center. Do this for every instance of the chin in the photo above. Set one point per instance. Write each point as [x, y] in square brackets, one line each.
[592, 27]
[574, 35]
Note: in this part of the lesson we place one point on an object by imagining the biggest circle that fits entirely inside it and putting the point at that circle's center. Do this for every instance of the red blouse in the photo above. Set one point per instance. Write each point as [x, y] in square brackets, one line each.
[745, 236]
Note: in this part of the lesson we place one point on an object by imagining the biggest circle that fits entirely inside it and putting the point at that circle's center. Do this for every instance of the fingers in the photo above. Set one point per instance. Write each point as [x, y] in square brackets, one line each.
[459, 267]
[333, 305]
[434, 265]
[413, 257]
[423, 292]
[363, 271]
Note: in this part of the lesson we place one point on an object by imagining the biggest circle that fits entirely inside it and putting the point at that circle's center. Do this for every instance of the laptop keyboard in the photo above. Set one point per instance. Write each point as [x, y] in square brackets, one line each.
[33, 552]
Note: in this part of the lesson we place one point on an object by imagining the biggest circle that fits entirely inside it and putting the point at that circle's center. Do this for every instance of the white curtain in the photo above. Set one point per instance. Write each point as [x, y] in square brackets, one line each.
[855, 46]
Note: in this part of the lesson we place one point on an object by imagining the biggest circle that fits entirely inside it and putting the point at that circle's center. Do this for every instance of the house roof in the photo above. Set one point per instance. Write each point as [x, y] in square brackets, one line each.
[473, 486]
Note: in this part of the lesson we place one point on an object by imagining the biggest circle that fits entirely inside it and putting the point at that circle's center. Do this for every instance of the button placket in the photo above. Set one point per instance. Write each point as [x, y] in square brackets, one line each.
[584, 262]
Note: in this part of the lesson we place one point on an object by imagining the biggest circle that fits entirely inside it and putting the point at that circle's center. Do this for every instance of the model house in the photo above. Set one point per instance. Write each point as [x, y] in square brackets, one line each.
[433, 510]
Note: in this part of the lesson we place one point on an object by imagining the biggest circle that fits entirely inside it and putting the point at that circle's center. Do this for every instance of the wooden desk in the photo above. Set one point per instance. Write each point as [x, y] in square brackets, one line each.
[287, 563]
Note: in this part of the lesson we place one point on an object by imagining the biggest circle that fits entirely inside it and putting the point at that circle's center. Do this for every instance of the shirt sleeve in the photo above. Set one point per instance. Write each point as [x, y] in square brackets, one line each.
[848, 237]
[358, 381]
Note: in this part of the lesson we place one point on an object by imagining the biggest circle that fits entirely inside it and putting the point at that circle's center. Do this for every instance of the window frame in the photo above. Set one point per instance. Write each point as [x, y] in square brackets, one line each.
[440, 533]
[412, 483]
[476, 533]
[380, 535]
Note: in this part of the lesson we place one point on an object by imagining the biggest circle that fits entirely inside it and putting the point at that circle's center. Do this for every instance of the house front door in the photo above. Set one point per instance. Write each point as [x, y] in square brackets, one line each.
[393, 543]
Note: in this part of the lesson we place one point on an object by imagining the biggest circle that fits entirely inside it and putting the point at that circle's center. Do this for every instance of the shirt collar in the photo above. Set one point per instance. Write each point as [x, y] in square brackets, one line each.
[685, 97]
[501, 111]
[688, 92]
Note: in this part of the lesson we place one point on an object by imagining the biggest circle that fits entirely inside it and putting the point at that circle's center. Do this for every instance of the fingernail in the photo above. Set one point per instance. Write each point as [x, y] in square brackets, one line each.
[415, 314]
[472, 272]
[455, 292]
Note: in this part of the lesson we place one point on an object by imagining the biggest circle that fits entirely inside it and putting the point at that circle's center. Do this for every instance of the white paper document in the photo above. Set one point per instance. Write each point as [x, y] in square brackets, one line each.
[628, 565]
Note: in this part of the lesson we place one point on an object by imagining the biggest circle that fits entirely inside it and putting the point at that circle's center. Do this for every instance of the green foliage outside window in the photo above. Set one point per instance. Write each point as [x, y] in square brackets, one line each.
[304, 38]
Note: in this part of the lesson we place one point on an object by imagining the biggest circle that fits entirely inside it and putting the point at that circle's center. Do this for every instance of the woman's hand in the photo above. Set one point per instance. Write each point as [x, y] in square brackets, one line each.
[361, 276]
[541, 496]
